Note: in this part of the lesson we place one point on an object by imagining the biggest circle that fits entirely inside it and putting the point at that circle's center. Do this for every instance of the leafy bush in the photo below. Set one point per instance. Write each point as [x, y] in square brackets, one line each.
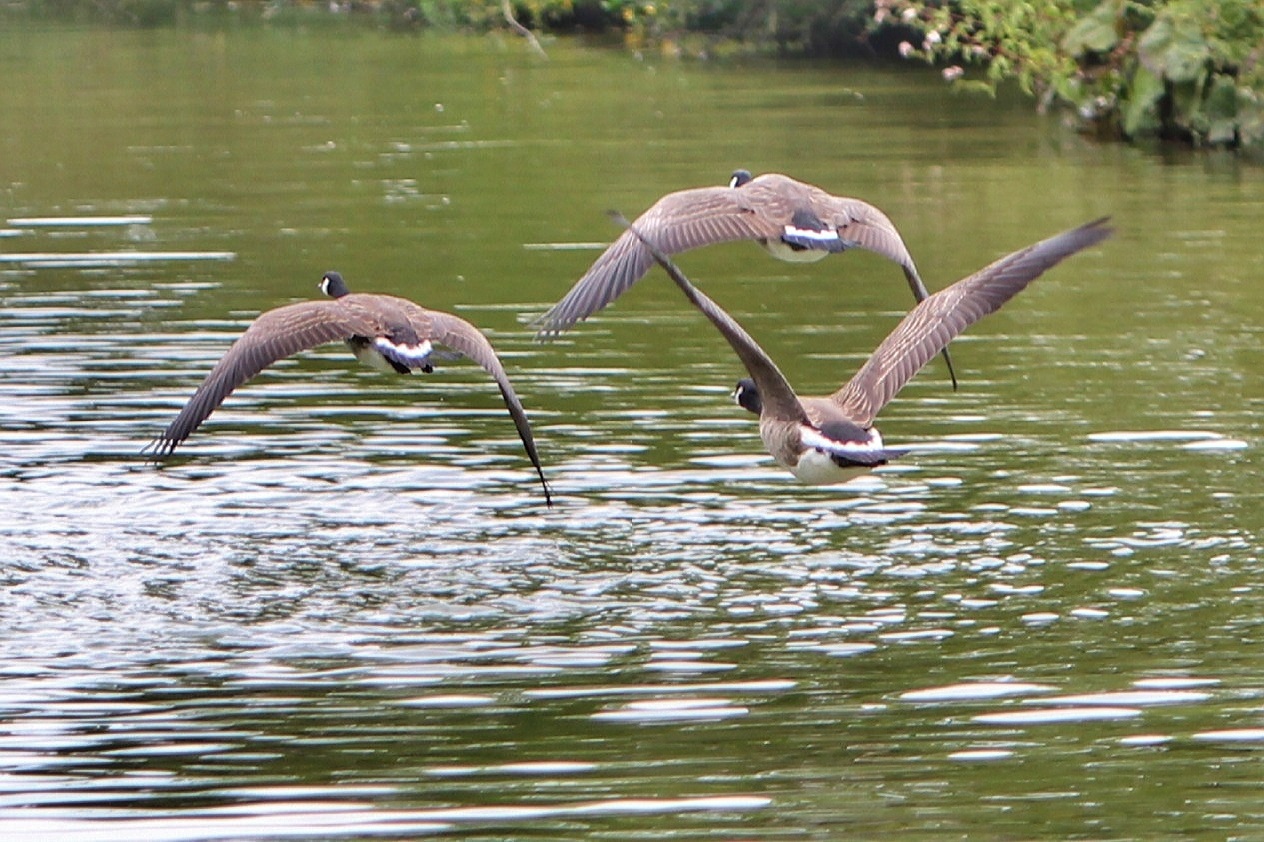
[811, 27]
[1191, 70]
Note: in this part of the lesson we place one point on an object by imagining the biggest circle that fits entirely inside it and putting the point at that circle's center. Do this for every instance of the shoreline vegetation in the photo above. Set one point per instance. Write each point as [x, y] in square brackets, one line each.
[1184, 71]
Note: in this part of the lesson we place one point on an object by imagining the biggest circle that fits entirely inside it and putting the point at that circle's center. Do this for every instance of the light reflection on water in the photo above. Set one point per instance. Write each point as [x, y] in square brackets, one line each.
[344, 611]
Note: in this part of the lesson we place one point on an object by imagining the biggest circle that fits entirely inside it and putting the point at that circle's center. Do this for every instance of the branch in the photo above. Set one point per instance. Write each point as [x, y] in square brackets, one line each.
[522, 30]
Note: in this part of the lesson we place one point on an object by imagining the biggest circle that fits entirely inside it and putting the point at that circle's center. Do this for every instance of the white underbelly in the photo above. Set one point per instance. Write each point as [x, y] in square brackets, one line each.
[817, 468]
[781, 251]
[368, 355]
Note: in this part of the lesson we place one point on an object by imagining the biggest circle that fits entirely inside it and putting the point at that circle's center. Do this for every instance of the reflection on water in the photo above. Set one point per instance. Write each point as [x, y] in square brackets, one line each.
[344, 610]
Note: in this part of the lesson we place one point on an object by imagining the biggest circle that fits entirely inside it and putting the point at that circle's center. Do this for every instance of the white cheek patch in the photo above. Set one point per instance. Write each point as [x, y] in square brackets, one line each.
[412, 356]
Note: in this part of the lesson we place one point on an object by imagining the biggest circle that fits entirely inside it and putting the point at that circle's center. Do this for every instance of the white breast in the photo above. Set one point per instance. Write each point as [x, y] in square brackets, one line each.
[413, 356]
[817, 468]
[781, 251]
[371, 357]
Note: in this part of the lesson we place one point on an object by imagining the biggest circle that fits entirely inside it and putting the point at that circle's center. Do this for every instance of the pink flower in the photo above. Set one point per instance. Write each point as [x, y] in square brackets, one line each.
[952, 74]
[906, 49]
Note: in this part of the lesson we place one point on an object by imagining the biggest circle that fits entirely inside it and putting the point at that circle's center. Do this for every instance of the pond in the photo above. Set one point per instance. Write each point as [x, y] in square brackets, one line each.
[343, 611]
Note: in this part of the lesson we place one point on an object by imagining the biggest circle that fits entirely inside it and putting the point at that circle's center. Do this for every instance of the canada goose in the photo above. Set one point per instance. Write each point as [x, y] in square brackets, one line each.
[388, 333]
[792, 220]
[824, 440]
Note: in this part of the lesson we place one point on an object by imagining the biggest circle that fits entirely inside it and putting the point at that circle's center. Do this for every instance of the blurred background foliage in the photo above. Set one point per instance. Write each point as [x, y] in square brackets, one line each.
[1181, 70]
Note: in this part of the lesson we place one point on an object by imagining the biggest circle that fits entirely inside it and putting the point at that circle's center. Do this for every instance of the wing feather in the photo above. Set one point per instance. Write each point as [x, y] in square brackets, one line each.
[775, 392]
[688, 219]
[678, 222]
[939, 319]
[869, 228]
[274, 335]
[470, 342]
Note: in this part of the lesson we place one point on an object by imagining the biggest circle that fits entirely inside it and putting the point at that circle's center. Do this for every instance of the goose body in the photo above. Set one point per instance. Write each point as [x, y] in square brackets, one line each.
[824, 447]
[792, 220]
[831, 439]
[385, 332]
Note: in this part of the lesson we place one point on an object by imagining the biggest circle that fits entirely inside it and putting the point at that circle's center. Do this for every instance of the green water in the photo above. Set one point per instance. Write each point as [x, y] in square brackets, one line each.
[345, 609]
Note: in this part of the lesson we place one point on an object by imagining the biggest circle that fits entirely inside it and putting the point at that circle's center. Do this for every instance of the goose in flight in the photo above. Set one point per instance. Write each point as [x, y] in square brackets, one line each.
[831, 439]
[388, 333]
[792, 220]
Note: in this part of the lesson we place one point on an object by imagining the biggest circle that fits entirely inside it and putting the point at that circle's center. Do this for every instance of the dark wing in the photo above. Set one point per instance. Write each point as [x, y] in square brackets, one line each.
[935, 322]
[869, 228]
[860, 224]
[679, 221]
[775, 392]
[274, 335]
[469, 341]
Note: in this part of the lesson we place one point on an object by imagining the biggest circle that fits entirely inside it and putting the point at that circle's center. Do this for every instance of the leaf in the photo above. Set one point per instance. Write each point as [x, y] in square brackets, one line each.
[1187, 61]
[1141, 114]
[1222, 110]
[1250, 109]
[974, 86]
[1095, 33]
[1153, 44]
[1175, 50]
[1187, 107]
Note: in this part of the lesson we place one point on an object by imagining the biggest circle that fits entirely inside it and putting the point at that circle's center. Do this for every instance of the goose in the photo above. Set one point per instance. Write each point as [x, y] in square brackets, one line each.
[792, 220]
[831, 439]
[385, 332]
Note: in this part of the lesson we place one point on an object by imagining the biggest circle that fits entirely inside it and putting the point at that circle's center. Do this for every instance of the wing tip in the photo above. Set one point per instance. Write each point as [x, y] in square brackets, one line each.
[160, 448]
[548, 332]
[554, 322]
[1097, 230]
[544, 484]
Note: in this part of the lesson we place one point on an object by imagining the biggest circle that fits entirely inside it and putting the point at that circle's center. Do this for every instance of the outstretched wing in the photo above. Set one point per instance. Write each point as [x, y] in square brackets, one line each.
[678, 222]
[274, 335]
[775, 392]
[469, 341]
[866, 227]
[764, 208]
[861, 225]
[935, 322]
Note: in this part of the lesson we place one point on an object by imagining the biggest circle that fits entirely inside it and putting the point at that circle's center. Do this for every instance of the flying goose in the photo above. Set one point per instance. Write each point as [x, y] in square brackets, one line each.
[792, 220]
[388, 333]
[824, 440]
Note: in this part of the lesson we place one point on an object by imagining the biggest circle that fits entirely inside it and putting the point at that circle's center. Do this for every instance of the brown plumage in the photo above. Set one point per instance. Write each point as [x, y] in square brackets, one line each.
[792, 220]
[389, 333]
[832, 439]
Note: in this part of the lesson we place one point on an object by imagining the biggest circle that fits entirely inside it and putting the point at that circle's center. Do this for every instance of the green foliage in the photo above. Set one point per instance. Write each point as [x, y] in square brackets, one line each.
[449, 14]
[1093, 33]
[1008, 40]
[1180, 69]
[811, 27]
[140, 13]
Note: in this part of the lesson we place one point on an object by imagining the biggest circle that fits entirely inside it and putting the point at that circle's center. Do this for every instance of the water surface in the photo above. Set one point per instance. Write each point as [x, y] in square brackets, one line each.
[345, 612]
